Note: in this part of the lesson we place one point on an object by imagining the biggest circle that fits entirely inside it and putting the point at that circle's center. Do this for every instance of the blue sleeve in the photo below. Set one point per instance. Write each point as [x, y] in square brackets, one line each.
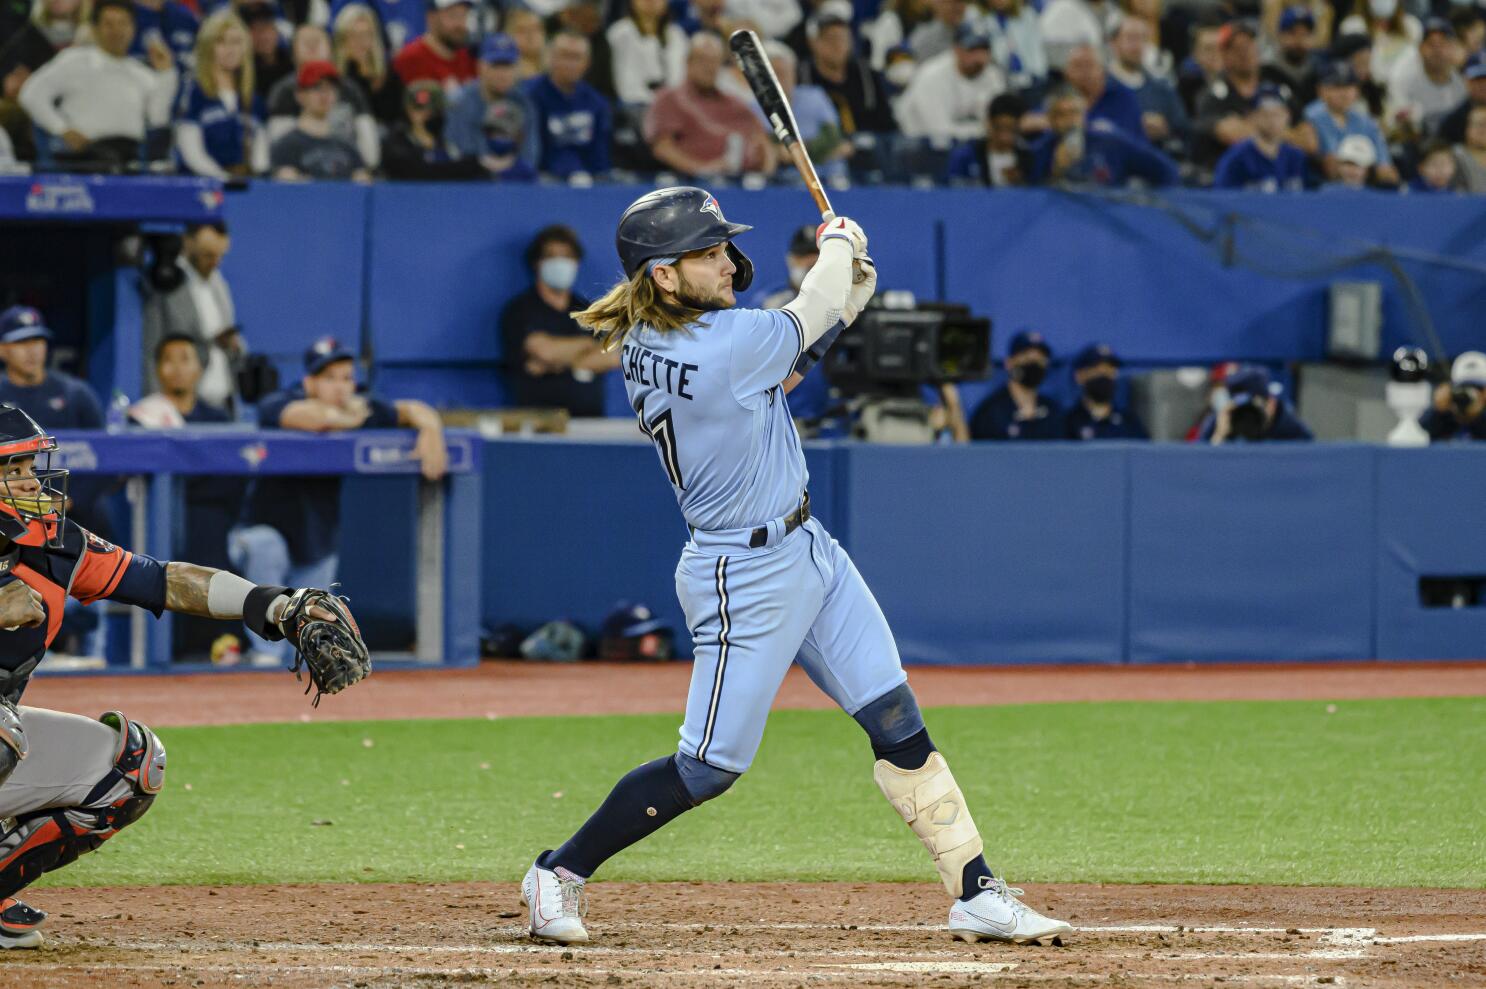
[1151, 164]
[1205, 431]
[1227, 175]
[1375, 134]
[531, 146]
[603, 127]
[764, 345]
[962, 162]
[1042, 157]
[271, 409]
[142, 585]
[1127, 117]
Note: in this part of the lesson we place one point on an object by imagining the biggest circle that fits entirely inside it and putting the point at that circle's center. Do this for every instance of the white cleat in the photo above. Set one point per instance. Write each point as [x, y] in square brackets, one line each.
[997, 914]
[556, 901]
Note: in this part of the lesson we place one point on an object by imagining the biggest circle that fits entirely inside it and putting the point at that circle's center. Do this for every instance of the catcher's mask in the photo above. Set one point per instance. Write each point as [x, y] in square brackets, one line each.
[33, 494]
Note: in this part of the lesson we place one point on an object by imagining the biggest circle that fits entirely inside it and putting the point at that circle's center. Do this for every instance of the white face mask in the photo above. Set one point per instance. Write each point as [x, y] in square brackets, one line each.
[1382, 9]
[797, 273]
[900, 73]
[558, 274]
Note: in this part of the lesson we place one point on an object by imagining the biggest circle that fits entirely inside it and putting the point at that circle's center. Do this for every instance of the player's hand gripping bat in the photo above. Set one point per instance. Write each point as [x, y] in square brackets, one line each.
[749, 51]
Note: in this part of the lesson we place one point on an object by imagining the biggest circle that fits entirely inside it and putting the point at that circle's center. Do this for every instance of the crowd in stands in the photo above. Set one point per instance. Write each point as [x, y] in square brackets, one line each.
[1236, 94]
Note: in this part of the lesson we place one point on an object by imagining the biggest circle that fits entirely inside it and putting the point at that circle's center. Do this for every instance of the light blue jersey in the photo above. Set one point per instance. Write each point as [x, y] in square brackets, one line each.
[710, 397]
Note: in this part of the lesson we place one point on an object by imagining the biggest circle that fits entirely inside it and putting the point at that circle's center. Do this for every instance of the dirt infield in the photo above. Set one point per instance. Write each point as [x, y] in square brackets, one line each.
[776, 935]
[509, 689]
[725, 934]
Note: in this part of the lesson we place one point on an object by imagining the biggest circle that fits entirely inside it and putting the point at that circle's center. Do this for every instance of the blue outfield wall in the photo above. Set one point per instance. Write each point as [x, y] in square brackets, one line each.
[418, 273]
[1043, 554]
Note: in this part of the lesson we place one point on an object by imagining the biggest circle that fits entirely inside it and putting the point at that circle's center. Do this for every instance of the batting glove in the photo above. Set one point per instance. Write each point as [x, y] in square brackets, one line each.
[846, 229]
[864, 284]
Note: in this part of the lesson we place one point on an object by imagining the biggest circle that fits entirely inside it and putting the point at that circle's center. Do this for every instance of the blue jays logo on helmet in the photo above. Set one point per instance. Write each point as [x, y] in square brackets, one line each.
[711, 206]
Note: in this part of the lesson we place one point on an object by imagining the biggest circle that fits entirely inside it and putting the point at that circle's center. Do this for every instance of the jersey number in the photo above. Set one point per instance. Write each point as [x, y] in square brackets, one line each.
[662, 430]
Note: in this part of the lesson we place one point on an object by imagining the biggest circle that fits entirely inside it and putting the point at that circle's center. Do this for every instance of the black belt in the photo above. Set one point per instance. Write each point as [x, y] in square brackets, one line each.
[792, 521]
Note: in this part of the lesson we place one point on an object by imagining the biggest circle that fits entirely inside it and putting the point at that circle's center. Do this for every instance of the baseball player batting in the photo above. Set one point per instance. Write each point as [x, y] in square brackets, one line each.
[760, 581]
[68, 783]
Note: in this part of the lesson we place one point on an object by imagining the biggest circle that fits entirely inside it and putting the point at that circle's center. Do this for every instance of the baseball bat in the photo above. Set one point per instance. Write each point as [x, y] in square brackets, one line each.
[749, 52]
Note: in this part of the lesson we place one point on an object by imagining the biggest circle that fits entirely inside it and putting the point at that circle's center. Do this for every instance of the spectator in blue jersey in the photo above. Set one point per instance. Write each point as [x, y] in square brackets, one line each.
[1252, 411]
[1108, 99]
[164, 22]
[1018, 410]
[218, 130]
[1459, 409]
[1095, 416]
[494, 102]
[1002, 159]
[53, 398]
[290, 528]
[1163, 118]
[1097, 153]
[1336, 114]
[311, 150]
[1264, 162]
[574, 121]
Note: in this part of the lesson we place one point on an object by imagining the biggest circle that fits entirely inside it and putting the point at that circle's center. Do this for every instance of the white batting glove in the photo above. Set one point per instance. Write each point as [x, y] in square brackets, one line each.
[863, 286]
[846, 229]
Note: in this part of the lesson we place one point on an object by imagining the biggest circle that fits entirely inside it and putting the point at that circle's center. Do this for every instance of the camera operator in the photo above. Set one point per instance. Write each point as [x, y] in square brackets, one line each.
[1459, 411]
[1096, 371]
[1253, 413]
[1017, 410]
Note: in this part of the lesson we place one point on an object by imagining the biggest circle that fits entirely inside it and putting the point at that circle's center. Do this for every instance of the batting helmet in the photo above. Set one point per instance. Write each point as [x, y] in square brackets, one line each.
[21, 508]
[668, 223]
[632, 633]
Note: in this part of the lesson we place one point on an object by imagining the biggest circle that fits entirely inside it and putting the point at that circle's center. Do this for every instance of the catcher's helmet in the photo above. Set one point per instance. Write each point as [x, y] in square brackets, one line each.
[668, 223]
[632, 633]
[44, 508]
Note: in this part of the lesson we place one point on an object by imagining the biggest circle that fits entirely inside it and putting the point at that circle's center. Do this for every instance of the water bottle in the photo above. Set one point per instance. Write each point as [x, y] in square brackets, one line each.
[117, 416]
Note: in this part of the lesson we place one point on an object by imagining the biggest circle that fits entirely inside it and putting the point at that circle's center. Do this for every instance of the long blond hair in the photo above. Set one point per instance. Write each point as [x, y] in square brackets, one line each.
[636, 301]
[212, 30]
[343, 21]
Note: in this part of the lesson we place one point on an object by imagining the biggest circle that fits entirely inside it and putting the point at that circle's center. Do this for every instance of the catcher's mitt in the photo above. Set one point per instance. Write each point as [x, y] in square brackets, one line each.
[330, 649]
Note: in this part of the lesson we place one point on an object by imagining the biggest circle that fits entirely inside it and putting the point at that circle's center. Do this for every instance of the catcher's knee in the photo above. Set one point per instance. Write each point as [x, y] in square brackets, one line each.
[12, 740]
[702, 782]
[39, 842]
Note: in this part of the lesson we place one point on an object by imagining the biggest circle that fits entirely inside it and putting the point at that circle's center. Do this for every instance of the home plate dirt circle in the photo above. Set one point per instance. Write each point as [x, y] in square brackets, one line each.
[773, 935]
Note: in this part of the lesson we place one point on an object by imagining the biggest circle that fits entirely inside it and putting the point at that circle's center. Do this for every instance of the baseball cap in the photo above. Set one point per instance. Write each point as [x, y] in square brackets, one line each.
[830, 12]
[1357, 149]
[1338, 73]
[1028, 340]
[1469, 369]
[1235, 27]
[323, 353]
[1297, 15]
[1439, 25]
[1475, 66]
[446, 4]
[1267, 94]
[425, 94]
[22, 323]
[499, 49]
[1095, 354]
[1249, 381]
[972, 34]
[311, 74]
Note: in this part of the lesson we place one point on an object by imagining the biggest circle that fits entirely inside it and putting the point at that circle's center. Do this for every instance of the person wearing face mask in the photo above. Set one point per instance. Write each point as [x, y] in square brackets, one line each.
[1393, 31]
[1459, 411]
[1096, 370]
[1249, 409]
[1017, 410]
[417, 150]
[551, 361]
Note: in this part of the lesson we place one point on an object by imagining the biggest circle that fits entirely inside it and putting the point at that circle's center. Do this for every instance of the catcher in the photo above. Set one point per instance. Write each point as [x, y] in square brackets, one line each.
[67, 783]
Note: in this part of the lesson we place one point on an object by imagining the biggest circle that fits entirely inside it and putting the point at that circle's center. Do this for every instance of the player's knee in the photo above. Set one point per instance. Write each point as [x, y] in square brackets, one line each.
[12, 740]
[895, 727]
[702, 782]
[137, 775]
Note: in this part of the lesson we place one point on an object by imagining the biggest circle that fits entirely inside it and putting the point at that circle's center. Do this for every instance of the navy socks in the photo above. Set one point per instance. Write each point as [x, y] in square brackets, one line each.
[644, 801]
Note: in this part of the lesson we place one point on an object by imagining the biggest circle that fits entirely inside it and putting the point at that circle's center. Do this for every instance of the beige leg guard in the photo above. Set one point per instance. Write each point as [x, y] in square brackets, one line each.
[930, 801]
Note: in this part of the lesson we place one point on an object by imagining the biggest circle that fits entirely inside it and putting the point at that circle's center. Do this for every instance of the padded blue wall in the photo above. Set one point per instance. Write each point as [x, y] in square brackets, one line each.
[1015, 554]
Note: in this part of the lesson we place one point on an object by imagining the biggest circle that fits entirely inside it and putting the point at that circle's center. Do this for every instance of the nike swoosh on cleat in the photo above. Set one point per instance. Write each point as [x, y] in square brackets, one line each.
[1003, 928]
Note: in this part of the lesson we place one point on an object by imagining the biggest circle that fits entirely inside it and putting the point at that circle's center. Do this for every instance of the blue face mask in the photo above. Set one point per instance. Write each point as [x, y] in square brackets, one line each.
[500, 146]
[558, 274]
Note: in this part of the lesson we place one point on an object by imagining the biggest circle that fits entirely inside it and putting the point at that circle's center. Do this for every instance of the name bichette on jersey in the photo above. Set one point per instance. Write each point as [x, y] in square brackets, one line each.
[645, 367]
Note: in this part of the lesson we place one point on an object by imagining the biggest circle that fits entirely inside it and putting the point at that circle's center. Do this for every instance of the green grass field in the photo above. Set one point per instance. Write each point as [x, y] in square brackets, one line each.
[1379, 793]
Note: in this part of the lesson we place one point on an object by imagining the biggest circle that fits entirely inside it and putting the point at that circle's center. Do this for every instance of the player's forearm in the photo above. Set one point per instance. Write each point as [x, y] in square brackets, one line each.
[418, 415]
[823, 292]
[561, 352]
[187, 588]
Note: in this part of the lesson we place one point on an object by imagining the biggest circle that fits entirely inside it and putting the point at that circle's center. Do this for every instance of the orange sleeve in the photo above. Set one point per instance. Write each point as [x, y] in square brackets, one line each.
[99, 569]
